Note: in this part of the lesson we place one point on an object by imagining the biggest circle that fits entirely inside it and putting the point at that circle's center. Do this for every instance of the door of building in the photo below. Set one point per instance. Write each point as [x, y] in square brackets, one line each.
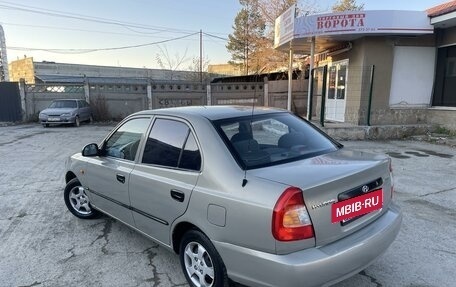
[336, 93]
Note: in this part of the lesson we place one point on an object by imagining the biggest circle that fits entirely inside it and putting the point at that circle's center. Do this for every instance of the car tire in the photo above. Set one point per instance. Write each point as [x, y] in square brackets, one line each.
[200, 261]
[78, 202]
[90, 119]
[45, 125]
[77, 122]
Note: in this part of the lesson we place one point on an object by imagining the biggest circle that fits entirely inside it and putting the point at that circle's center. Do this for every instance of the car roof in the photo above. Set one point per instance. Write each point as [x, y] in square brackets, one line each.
[212, 112]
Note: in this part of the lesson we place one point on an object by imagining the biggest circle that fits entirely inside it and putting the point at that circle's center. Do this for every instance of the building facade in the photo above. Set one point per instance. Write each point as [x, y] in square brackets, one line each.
[410, 55]
[225, 69]
[47, 72]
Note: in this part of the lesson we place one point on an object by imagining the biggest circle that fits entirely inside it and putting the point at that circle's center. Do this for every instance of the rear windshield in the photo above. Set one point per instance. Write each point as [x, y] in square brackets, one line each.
[63, 104]
[265, 140]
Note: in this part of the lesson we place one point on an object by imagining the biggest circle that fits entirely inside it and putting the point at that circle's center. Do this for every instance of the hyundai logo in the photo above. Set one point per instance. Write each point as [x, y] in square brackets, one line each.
[365, 188]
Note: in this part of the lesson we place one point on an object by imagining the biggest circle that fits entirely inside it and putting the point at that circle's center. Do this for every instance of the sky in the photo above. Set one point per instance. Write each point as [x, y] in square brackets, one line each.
[168, 30]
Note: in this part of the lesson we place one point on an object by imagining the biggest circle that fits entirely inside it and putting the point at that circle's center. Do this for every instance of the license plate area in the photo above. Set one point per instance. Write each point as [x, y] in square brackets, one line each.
[349, 210]
[53, 119]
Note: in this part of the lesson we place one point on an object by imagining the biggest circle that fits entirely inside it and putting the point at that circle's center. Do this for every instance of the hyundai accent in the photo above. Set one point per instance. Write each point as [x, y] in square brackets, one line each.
[256, 196]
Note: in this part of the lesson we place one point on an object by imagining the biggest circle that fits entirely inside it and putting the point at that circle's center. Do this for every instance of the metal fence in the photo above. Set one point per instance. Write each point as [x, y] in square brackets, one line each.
[119, 99]
[10, 102]
[115, 100]
[37, 97]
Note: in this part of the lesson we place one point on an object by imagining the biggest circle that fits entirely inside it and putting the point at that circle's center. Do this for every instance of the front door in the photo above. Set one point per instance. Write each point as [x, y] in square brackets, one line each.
[336, 94]
[108, 175]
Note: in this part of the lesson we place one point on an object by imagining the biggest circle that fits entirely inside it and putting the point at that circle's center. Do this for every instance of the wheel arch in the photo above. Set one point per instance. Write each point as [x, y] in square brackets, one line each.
[178, 232]
[69, 176]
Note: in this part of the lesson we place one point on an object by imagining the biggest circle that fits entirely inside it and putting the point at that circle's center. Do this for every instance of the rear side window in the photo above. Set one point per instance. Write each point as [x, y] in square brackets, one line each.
[191, 157]
[172, 144]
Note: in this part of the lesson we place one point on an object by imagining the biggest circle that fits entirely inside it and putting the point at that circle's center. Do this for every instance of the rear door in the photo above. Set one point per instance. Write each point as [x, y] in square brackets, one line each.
[108, 175]
[162, 182]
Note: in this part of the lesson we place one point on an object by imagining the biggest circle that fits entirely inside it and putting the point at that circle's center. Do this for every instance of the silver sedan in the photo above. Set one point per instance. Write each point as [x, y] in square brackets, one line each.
[255, 196]
[66, 111]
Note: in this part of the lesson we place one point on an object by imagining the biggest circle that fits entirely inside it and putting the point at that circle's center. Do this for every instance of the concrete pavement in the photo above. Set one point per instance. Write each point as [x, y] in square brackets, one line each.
[42, 244]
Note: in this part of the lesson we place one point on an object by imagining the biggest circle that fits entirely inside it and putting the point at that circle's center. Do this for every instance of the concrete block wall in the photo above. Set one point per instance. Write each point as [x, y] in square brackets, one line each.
[238, 93]
[445, 118]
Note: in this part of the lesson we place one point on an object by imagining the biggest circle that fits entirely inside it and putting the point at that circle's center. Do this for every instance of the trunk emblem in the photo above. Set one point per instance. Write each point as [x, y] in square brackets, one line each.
[324, 203]
[365, 189]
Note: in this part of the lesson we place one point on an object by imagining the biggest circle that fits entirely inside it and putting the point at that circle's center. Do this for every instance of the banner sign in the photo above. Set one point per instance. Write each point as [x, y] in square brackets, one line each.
[363, 22]
[284, 26]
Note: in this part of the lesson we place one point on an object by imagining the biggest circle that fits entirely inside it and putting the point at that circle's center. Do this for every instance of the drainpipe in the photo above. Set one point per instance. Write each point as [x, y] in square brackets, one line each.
[369, 107]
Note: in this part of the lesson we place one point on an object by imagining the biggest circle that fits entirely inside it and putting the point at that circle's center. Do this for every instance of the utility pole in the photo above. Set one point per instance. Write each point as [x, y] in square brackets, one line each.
[201, 56]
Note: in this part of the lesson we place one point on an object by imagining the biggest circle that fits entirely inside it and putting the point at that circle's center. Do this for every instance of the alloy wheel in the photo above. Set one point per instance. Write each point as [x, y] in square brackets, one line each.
[198, 264]
[79, 200]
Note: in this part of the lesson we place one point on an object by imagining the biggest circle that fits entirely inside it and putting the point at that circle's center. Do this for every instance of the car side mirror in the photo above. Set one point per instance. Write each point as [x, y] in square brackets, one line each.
[91, 150]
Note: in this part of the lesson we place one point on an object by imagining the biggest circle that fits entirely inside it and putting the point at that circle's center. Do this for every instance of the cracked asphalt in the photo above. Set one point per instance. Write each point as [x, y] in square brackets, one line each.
[42, 244]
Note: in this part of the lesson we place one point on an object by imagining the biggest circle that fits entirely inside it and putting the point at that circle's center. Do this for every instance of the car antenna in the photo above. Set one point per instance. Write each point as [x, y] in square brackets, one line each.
[257, 74]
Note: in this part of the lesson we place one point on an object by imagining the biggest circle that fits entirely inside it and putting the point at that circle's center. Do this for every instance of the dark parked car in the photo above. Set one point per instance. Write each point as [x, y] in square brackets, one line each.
[71, 111]
[260, 197]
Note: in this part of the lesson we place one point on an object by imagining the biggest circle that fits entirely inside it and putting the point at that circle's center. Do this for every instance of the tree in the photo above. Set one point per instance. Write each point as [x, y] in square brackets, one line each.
[195, 67]
[166, 62]
[249, 28]
[264, 57]
[347, 5]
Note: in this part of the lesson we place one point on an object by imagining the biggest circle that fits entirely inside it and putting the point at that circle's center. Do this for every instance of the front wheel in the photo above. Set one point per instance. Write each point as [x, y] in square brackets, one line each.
[200, 261]
[77, 200]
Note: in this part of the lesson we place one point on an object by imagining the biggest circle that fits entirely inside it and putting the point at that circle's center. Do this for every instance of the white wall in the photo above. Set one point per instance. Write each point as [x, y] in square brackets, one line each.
[413, 77]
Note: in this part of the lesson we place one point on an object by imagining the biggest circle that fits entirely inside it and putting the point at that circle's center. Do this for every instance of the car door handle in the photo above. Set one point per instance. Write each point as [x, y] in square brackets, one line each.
[120, 178]
[177, 195]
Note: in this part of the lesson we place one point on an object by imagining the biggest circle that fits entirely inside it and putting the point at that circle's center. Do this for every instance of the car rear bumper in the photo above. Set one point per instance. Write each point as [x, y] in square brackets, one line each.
[325, 265]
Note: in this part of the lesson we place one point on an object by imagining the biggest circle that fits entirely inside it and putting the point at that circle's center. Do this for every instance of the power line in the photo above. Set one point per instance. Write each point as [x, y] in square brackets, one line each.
[85, 51]
[217, 37]
[56, 13]
[149, 35]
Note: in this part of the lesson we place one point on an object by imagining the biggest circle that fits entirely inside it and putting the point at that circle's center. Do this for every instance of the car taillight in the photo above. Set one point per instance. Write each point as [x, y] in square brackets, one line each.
[290, 219]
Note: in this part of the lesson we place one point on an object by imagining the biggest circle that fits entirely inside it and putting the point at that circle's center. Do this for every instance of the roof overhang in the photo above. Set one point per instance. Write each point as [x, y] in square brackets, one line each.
[444, 21]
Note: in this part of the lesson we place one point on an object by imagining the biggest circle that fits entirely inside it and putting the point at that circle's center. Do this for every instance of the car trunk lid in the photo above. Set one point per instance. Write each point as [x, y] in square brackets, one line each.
[332, 178]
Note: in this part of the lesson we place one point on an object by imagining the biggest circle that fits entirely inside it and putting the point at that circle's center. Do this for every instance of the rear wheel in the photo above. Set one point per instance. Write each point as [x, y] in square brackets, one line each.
[200, 261]
[45, 125]
[77, 200]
